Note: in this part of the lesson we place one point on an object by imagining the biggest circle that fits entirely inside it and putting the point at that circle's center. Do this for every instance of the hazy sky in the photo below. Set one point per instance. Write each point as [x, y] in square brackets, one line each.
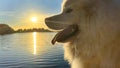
[18, 13]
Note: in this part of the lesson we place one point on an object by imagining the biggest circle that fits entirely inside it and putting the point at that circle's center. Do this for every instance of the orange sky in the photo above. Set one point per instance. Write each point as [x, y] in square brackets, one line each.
[28, 23]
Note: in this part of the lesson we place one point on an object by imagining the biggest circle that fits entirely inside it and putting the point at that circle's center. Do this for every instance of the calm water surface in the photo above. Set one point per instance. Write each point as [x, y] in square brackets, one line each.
[30, 50]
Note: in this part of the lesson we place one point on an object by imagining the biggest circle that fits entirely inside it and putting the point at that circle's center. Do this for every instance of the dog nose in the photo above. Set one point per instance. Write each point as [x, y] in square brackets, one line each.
[46, 19]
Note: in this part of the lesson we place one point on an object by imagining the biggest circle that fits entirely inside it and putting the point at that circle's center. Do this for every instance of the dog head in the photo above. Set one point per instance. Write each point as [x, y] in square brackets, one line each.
[73, 15]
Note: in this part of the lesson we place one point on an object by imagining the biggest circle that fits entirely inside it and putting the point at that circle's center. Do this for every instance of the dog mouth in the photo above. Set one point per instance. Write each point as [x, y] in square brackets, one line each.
[65, 34]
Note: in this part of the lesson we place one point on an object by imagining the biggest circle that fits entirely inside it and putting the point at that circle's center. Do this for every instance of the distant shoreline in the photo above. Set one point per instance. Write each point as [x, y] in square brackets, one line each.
[32, 30]
[6, 29]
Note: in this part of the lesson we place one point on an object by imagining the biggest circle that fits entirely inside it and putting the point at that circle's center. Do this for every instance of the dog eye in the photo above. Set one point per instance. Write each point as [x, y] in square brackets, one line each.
[69, 10]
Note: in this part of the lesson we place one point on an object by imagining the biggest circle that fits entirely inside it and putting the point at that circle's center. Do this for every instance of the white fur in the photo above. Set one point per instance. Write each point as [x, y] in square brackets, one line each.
[97, 44]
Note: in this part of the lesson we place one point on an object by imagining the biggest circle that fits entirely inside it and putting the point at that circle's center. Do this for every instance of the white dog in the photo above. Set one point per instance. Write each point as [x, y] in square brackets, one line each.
[91, 31]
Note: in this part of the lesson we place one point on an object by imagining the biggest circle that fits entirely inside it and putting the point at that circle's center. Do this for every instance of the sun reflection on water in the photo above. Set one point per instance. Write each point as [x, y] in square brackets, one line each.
[34, 41]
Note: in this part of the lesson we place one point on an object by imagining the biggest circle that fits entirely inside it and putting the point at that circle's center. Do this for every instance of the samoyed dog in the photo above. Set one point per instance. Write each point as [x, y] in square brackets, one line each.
[90, 30]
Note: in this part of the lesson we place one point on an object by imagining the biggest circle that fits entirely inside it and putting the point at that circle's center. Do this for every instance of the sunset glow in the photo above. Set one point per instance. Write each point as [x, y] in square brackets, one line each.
[34, 19]
[34, 41]
[27, 14]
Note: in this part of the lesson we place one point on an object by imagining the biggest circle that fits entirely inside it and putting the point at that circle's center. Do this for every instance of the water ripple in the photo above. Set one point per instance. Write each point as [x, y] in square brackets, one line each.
[17, 50]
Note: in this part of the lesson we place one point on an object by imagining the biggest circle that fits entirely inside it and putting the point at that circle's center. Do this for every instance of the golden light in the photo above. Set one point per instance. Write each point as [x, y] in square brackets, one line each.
[34, 19]
[34, 41]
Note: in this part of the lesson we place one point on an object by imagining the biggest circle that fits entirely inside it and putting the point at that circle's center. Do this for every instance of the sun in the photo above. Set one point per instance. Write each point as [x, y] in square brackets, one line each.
[34, 19]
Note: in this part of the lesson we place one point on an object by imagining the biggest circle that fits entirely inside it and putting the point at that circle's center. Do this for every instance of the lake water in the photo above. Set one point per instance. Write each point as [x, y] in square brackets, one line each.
[30, 50]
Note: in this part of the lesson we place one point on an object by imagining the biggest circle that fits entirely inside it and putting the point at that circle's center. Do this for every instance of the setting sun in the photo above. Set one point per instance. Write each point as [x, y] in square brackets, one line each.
[34, 19]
